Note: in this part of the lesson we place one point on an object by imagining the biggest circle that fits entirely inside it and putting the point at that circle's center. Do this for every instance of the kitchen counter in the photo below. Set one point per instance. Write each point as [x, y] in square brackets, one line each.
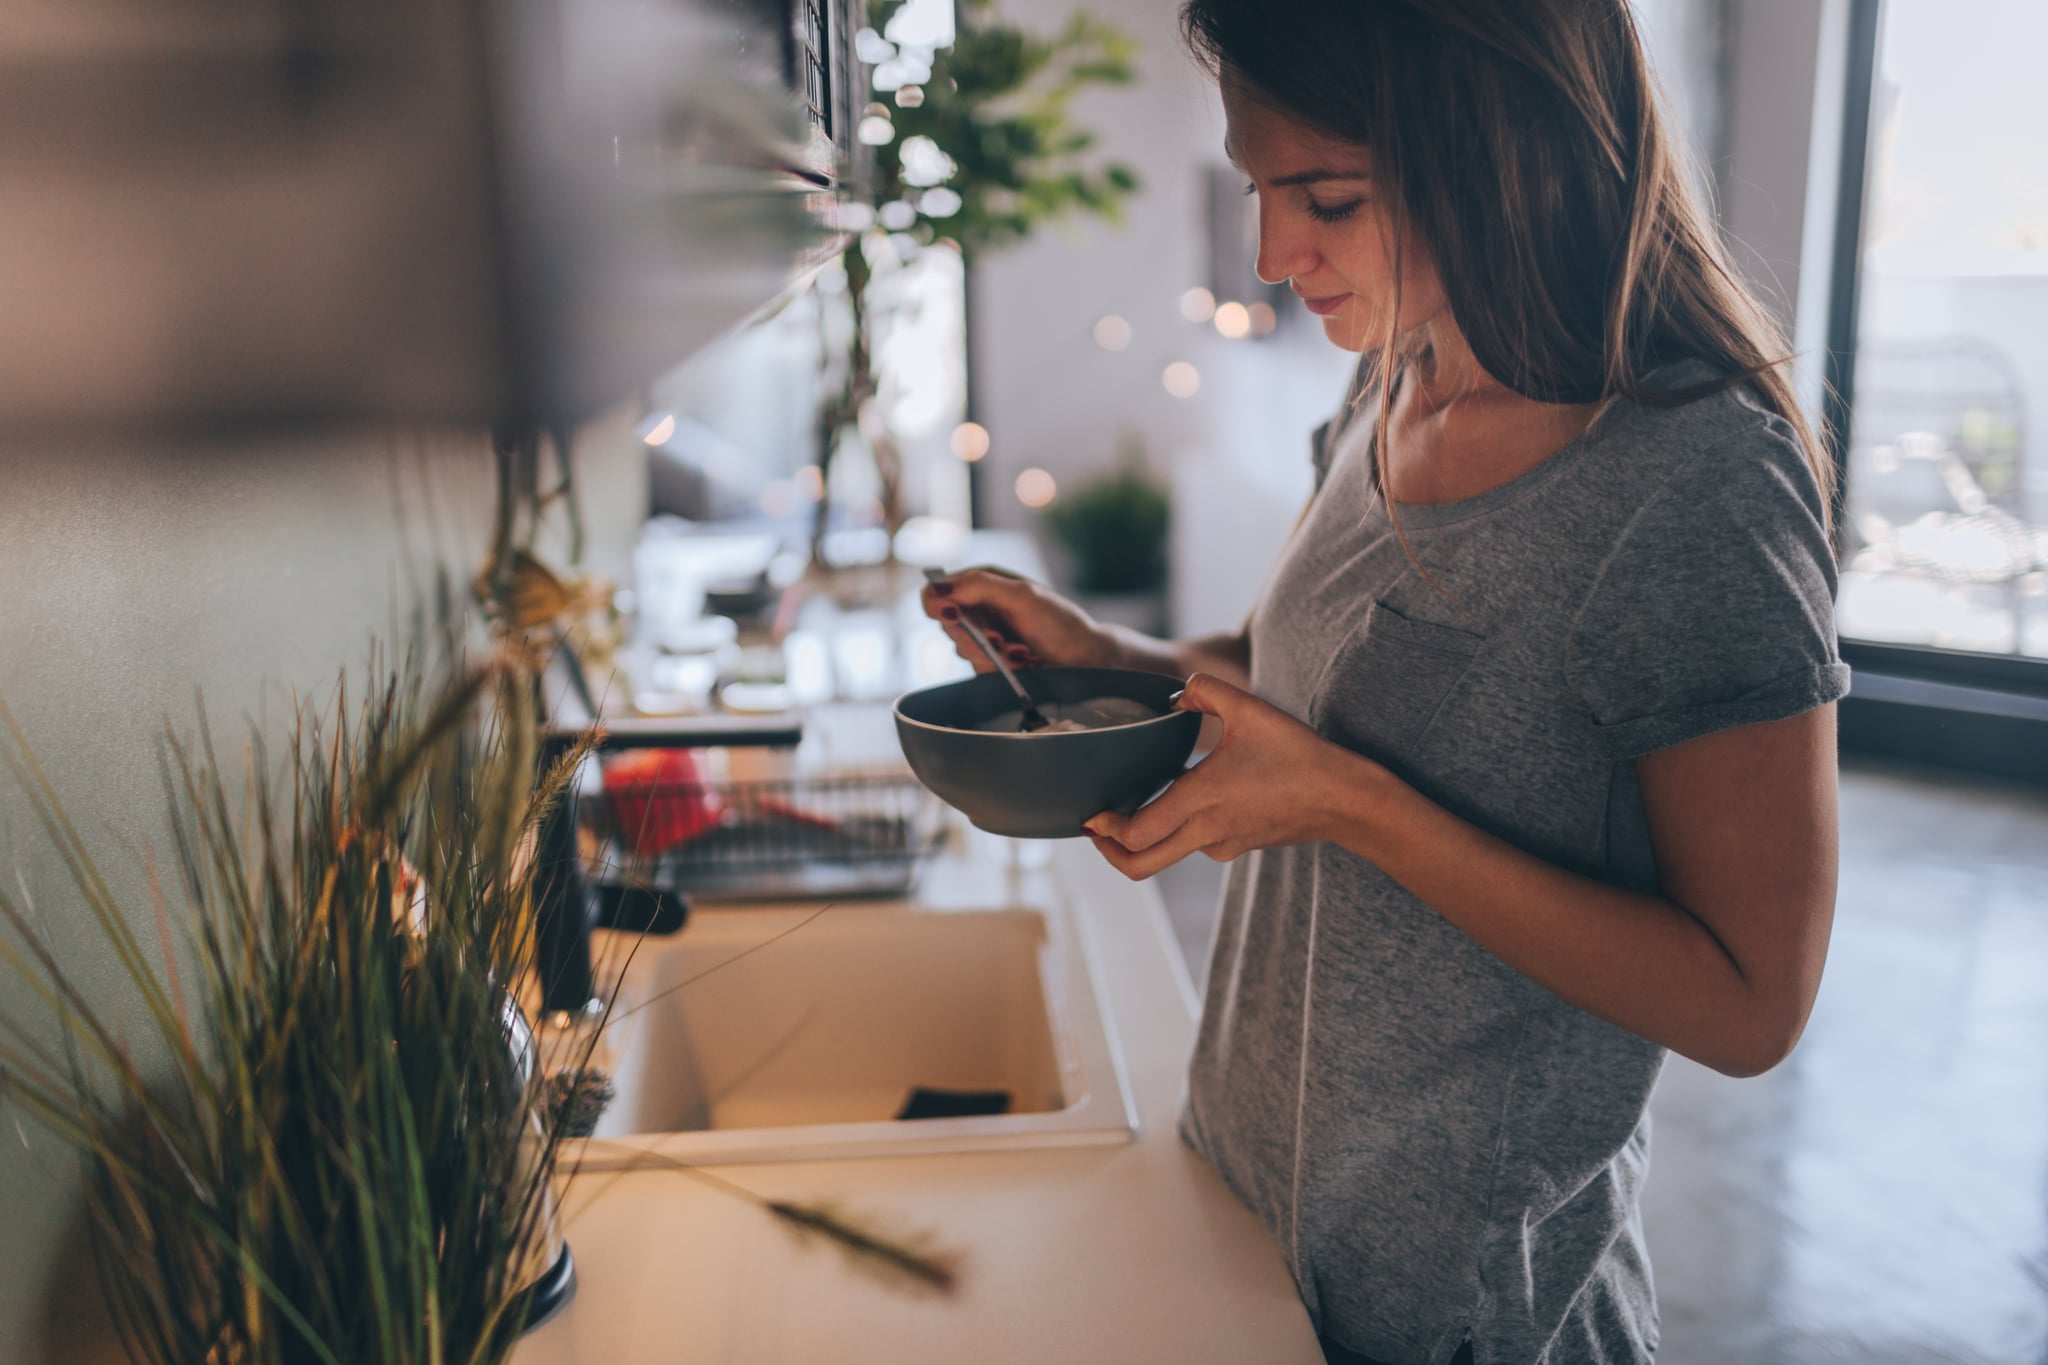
[1135, 1252]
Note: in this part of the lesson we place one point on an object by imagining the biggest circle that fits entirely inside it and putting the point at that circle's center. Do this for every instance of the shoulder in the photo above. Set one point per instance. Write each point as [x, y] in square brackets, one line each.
[1726, 446]
[1688, 477]
[1714, 507]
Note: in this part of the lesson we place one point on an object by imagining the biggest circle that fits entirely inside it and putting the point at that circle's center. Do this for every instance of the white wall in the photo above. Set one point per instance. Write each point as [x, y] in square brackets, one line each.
[1764, 172]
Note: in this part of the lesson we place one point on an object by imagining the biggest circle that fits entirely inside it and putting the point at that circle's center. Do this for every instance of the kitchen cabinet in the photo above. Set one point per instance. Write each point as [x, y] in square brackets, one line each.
[224, 213]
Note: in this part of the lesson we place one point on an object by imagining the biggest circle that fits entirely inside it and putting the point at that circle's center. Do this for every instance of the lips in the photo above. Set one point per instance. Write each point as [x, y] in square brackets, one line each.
[1325, 305]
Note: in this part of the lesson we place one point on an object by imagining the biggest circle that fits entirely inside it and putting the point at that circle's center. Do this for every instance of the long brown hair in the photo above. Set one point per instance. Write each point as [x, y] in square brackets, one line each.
[1524, 142]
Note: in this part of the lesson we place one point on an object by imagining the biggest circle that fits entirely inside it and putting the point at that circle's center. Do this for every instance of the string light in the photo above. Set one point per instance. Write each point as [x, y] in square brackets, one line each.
[1233, 320]
[1181, 379]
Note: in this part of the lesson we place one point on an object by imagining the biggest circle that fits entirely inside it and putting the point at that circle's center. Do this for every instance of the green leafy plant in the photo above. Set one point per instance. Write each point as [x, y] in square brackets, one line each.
[1115, 528]
[997, 106]
[979, 152]
[332, 1147]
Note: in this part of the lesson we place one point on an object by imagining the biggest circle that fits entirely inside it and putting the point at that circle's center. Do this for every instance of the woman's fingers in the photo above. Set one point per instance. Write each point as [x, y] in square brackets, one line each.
[1019, 612]
[1016, 653]
[984, 588]
[1160, 856]
[1180, 805]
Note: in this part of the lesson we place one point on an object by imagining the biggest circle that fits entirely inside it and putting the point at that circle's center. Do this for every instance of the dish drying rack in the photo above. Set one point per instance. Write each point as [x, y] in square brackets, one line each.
[768, 839]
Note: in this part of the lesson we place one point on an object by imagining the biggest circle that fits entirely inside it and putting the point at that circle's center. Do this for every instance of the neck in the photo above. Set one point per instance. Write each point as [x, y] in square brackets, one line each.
[1444, 370]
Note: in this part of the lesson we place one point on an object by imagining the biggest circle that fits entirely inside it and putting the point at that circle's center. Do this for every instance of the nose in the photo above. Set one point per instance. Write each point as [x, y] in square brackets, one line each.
[1284, 251]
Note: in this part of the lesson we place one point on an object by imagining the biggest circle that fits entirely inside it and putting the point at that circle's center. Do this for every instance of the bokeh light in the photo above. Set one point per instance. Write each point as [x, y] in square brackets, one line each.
[810, 482]
[1112, 333]
[1233, 320]
[1198, 305]
[1035, 488]
[1264, 319]
[970, 441]
[661, 430]
[1181, 379]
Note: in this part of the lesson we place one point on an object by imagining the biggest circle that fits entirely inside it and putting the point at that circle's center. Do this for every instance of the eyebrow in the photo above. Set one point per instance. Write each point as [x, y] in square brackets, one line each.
[1313, 175]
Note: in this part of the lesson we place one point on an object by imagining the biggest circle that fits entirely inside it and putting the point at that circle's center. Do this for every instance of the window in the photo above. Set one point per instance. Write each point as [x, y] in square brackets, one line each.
[1945, 520]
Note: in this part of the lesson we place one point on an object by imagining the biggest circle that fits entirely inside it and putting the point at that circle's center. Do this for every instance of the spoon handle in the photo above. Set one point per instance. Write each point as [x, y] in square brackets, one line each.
[1033, 719]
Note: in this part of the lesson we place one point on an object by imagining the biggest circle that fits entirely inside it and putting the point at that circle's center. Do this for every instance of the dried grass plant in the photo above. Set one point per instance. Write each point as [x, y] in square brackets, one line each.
[341, 1158]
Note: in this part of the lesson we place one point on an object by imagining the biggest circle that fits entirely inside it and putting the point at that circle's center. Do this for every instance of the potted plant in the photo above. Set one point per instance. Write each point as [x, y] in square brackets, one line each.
[1113, 531]
[332, 1143]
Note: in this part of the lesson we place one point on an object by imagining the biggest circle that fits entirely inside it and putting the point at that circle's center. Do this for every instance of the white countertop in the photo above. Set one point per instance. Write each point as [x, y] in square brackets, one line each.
[1097, 1254]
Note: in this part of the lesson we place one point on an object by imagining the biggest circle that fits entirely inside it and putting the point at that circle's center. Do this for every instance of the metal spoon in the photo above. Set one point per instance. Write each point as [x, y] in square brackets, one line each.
[1033, 719]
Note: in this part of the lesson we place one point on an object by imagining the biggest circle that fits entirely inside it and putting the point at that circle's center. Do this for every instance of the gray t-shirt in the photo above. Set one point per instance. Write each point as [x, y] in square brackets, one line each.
[1442, 1146]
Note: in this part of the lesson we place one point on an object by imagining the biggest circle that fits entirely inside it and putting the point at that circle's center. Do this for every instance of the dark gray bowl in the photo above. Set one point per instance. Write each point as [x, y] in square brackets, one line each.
[1043, 786]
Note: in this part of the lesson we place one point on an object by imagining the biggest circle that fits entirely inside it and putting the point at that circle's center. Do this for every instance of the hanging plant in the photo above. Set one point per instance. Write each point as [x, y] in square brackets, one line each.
[973, 145]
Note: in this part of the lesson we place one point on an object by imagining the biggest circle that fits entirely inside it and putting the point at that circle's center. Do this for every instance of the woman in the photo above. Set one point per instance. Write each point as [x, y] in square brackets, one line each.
[1526, 769]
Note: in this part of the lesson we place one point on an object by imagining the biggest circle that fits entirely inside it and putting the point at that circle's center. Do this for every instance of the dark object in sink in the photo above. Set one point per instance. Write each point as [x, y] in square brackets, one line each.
[631, 908]
[928, 1103]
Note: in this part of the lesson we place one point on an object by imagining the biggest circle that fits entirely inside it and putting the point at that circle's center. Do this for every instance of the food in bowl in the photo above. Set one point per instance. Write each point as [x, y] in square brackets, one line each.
[1096, 713]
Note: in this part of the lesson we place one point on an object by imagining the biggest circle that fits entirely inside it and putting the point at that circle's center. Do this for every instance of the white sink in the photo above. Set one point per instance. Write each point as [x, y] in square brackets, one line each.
[792, 1043]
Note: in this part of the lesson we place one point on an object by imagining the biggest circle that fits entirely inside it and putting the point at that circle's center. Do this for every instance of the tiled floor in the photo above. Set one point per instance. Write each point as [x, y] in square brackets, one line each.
[1882, 1197]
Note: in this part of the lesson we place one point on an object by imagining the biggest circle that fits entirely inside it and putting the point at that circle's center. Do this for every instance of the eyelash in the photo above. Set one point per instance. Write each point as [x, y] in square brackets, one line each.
[1335, 213]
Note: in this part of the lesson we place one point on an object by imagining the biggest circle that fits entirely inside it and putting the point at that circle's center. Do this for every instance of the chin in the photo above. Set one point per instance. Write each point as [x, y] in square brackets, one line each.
[1348, 332]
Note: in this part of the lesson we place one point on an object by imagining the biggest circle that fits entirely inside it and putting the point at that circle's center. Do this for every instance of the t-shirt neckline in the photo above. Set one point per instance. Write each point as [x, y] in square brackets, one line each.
[1425, 514]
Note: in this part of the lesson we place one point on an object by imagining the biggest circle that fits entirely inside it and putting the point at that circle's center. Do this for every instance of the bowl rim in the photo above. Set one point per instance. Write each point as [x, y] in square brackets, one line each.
[1168, 715]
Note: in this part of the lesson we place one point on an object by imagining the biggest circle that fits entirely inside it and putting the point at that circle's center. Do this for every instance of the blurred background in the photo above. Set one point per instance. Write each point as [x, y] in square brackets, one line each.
[776, 300]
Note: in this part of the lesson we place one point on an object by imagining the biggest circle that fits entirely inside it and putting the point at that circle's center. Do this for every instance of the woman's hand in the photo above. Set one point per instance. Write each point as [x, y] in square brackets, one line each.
[1032, 625]
[1270, 781]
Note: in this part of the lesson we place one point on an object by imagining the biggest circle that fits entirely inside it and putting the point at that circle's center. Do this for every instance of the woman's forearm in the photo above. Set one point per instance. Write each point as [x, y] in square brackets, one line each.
[1227, 656]
[1639, 961]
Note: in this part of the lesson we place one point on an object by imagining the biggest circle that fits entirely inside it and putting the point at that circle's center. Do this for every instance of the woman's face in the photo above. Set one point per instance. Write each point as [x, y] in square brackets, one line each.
[1322, 229]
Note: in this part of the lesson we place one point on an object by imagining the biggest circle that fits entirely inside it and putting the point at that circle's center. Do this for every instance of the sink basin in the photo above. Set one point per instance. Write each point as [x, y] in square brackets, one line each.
[759, 1034]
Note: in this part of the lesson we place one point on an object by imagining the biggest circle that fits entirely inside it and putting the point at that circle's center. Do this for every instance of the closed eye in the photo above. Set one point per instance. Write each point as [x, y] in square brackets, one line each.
[1322, 213]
